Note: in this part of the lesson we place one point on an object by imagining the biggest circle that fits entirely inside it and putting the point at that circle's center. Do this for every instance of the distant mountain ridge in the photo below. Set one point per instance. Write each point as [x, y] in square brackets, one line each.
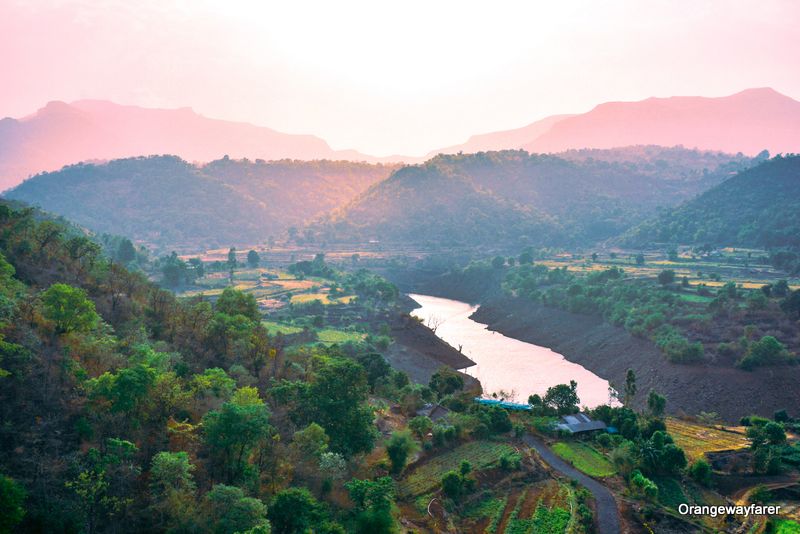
[90, 130]
[749, 121]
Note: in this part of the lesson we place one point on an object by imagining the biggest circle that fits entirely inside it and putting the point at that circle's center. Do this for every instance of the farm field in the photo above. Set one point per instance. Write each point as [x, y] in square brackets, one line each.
[584, 458]
[423, 478]
[696, 440]
[331, 336]
[274, 327]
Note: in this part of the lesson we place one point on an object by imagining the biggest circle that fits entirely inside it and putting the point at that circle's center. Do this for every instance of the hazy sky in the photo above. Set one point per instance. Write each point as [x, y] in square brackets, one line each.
[391, 77]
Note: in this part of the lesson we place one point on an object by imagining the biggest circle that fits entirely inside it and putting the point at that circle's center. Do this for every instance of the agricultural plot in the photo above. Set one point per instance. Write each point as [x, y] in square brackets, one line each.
[696, 440]
[426, 477]
[584, 458]
[331, 336]
[274, 328]
[324, 298]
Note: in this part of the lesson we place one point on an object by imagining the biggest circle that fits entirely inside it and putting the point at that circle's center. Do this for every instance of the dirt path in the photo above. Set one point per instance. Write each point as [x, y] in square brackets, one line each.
[607, 514]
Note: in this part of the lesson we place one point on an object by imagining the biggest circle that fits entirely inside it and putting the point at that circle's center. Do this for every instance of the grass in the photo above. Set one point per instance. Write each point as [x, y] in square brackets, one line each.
[481, 454]
[322, 297]
[787, 526]
[584, 458]
[691, 297]
[280, 328]
[330, 336]
[696, 440]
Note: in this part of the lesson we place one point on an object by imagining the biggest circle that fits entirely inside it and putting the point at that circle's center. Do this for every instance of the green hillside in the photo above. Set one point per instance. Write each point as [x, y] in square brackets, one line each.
[759, 207]
[512, 196]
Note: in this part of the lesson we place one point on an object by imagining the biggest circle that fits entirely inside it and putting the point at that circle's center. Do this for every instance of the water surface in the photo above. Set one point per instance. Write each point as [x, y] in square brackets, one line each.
[504, 364]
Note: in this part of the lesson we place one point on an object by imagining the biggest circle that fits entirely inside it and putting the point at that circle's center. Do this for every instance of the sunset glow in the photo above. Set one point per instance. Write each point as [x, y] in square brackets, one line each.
[386, 80]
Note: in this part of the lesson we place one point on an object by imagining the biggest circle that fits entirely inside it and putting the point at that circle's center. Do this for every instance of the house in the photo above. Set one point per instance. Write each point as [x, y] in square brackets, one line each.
[433, 411]
[578, 423]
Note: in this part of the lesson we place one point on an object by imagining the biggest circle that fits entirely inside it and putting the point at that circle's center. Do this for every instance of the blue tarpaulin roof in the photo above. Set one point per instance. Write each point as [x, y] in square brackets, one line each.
[503, 404]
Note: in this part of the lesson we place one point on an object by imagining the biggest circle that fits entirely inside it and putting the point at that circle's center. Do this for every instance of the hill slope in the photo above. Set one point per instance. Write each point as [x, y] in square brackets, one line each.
[747, 122]
[757, 207]
[60, 134]
[530, 199]
[165, 202]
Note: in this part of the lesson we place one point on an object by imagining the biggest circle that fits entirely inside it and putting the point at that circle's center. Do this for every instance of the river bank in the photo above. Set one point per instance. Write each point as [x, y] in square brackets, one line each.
[610, 351]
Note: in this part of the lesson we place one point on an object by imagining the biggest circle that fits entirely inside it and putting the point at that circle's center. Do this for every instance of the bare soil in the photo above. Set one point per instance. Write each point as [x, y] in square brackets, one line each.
[610, 351]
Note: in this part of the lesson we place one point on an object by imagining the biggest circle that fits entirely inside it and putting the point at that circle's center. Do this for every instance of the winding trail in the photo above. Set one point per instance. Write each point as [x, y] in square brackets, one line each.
[607, 515]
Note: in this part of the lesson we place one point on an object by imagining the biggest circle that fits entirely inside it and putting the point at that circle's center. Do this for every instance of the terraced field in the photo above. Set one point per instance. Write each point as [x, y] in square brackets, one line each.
[427, 476]
[696, 439]
[584, 458]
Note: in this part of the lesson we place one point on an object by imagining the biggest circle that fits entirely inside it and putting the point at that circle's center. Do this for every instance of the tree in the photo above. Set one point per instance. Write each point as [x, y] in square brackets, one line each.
[446, 381]
[791, 304]
[700, 471]
[69, 309]
[336, 399]
[172, 490]
[228, 510]
[666, 277]
[233, 430]
[774, 433]
[232, 263]
[421, 426]
[399, 446]
[656, 403]
[293, 511]
[563, 398]
[126, 253]
[311, 442]
[781, 288]
[12, 498]
[765, 351]
[640, 259]
[234, 302]
[630, 387]
[452, 484]
[253, 259]
[373, 500]
[498, 262]
[174, 270]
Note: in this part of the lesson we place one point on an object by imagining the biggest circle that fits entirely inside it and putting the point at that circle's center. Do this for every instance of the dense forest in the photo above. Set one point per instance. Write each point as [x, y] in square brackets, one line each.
[756, 208]
[171, 204]
[125, 409]
[534, 199]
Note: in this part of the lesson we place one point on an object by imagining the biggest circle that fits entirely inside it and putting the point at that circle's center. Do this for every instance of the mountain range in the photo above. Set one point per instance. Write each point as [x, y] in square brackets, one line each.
[94, 130]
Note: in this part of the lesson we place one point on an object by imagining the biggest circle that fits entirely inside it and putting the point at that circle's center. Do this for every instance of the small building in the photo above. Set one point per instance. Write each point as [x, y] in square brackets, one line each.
[578, 423]
[433, 411]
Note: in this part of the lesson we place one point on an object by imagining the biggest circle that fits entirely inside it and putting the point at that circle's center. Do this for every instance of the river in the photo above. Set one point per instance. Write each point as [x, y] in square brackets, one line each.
[504, 364]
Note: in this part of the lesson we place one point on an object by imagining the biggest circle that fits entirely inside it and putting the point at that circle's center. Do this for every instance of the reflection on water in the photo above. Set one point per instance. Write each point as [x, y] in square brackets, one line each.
[504, 364]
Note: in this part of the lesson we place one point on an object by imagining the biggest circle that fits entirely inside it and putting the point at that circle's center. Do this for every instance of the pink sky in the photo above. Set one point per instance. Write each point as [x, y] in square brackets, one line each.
[383, 78]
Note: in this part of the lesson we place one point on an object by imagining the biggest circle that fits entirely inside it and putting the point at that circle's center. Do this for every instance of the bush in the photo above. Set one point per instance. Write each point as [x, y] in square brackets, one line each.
[700, 471]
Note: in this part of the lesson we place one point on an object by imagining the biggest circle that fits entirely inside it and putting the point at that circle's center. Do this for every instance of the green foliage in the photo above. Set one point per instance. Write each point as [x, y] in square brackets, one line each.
[584, 458]
[700, 471]
[69, 309]
[446, 381]
[12, 501]
[227, 510]
[420, 426]
[757, 207]
[644, 486]
[234, 302]
[399, 446]
[766, 351]
[336, 400]
[232, 431]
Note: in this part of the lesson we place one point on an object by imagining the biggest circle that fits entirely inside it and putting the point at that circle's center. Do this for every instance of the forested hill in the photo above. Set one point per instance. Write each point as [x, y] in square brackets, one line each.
[124, 409]
[166, 202]
[758, 207]
[530, 199]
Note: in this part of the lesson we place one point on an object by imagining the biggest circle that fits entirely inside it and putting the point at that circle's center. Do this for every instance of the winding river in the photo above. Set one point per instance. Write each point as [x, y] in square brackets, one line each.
[504, 364]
